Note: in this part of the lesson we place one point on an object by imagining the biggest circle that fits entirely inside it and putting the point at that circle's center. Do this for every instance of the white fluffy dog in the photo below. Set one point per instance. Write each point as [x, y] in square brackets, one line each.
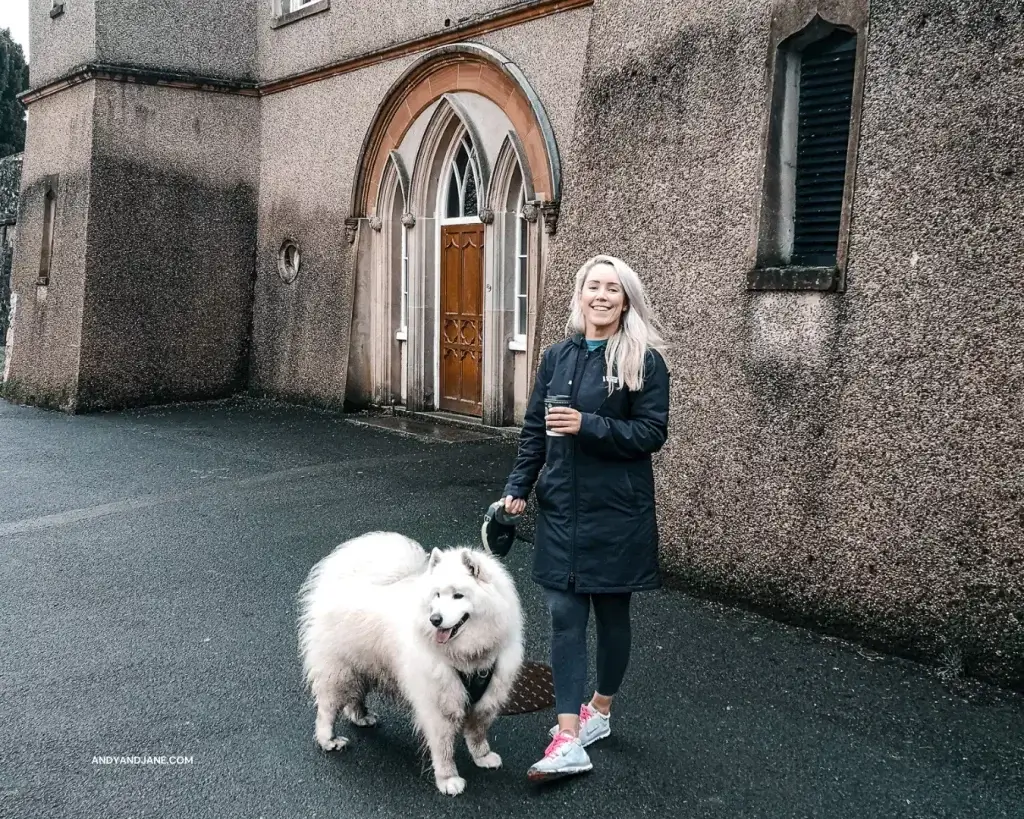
[443, 633]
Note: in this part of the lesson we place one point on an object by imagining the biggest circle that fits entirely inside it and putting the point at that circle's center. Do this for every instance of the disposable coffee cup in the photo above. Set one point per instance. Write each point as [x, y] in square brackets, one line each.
[555, 401]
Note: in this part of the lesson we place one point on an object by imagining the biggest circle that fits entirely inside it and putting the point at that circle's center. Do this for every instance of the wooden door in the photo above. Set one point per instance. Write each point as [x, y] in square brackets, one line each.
[462, 318]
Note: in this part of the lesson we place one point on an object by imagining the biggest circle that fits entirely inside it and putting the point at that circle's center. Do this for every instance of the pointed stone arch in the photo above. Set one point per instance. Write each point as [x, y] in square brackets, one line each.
[401, 178]
[511, 156]
[440, 89]
[443, 71]
[448, 122]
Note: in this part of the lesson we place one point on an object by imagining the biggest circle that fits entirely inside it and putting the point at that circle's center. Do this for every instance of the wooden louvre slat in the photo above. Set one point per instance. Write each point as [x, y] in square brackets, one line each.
[826, 94]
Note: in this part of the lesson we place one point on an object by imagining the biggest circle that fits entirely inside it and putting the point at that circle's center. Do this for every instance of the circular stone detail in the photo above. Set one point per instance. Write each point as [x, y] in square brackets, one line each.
[288, 260]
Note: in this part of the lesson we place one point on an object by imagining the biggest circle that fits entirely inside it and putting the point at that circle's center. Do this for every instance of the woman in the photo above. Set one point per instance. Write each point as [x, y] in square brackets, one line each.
[597, 539]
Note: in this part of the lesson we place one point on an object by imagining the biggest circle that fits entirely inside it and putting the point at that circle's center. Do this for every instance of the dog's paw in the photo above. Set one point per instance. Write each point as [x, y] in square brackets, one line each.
[363, 720]
[333, 744]
[491, 760]
[453, 785]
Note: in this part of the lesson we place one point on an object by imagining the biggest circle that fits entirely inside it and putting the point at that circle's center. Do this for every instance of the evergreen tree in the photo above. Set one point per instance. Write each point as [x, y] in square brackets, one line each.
[13, 80]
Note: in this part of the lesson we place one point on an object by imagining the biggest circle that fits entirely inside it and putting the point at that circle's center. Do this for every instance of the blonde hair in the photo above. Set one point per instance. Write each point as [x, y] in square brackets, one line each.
[638, 330]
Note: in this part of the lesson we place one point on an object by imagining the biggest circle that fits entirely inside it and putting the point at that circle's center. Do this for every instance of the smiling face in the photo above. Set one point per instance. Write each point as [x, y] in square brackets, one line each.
[451, 594]
[449, 612]
[602, 302]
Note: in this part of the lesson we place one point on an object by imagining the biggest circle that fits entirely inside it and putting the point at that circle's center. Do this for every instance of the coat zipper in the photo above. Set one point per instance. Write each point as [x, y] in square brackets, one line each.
[577, 376]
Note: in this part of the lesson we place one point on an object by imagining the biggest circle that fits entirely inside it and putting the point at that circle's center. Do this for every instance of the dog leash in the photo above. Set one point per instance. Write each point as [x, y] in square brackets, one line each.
[499, 529]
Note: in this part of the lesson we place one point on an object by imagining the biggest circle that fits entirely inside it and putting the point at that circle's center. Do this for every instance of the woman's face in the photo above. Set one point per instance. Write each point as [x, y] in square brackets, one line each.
[602, 301]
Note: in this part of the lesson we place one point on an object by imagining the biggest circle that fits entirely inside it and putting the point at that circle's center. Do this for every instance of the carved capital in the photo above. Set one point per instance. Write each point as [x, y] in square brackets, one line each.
[409, 220]
[530, 212]
[375, 223]
[351, 226]
[486, 216]
[550, 211]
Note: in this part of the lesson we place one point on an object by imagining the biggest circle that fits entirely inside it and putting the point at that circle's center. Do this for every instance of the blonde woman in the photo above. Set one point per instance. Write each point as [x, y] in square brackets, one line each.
[599, 409]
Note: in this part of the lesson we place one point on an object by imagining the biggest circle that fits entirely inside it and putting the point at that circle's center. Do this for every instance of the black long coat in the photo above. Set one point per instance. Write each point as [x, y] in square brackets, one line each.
[596, 526]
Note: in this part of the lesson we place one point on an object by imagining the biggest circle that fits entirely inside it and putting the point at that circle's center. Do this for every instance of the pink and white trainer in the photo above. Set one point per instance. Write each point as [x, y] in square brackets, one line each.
[593, 725]
[563, 757]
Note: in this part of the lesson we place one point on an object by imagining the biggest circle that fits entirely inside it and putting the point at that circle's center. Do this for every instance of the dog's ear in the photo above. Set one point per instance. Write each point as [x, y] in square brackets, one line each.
[473, 564]
[435, 558]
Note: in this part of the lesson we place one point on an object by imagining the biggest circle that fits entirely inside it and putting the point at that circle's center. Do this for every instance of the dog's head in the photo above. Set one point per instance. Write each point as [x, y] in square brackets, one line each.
[454, 579]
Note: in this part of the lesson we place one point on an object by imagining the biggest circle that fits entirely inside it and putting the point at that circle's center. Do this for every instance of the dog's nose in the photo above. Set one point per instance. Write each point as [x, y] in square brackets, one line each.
[435, 620]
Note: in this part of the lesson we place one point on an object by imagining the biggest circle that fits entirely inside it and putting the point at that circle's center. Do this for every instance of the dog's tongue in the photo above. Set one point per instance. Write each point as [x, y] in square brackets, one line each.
[443, 635]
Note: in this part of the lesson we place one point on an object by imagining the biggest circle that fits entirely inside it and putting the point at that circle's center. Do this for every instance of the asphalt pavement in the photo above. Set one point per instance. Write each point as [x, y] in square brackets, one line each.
[149, 562]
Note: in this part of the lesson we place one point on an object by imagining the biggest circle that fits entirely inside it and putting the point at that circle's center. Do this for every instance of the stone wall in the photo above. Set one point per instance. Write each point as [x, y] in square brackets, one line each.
[59, 43]
[208, 39]
[311, 139]
[350, 28]
[168, 293]
[848, 459]
[43, 359]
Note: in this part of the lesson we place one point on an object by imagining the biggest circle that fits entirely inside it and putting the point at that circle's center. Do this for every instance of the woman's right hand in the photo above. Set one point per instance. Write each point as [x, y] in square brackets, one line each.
[514, 506]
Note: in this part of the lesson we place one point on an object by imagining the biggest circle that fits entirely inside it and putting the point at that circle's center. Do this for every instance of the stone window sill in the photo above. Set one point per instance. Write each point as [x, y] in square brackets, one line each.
[300, 13]
[820, 279]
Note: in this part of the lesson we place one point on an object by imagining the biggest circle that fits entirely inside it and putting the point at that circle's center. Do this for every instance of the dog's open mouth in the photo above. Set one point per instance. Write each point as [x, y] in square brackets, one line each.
[445, 635]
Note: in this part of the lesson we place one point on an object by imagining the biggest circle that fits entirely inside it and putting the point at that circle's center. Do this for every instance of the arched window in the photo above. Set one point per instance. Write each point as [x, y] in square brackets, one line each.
[521, 272]
[462, 183]
[403, 320]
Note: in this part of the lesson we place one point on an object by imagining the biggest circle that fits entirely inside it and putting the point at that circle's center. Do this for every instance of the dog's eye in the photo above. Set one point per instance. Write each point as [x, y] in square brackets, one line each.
[457, 596]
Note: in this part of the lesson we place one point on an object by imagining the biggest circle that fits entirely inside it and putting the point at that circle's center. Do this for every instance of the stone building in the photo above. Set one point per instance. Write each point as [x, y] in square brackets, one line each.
[384, 203]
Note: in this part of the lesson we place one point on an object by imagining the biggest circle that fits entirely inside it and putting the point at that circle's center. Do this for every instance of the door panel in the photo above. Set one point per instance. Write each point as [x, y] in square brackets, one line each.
[462, 320]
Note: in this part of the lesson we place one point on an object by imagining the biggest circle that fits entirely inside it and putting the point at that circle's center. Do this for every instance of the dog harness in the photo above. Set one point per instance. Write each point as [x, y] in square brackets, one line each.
[476, 684]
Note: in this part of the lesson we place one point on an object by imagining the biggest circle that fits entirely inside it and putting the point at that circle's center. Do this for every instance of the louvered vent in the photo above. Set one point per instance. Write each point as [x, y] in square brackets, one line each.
[826, 95]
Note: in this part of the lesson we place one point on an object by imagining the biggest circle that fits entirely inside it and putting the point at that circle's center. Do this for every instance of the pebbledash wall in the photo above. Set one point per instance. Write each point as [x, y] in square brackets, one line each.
[852, 457]
[138, 288]
[845, 448]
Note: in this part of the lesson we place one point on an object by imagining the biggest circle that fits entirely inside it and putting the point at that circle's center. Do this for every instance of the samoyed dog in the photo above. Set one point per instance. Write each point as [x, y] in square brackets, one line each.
[440, 632]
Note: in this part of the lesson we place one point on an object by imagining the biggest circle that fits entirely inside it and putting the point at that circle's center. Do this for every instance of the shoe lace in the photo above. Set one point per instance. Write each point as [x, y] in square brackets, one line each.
[561, 738]
[586, 712]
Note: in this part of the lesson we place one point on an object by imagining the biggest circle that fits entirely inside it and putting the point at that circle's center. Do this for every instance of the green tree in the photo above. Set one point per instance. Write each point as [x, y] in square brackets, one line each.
[13, 80]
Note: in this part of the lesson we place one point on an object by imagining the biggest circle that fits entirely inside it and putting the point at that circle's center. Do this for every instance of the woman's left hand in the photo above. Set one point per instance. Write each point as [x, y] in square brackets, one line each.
[563, 419]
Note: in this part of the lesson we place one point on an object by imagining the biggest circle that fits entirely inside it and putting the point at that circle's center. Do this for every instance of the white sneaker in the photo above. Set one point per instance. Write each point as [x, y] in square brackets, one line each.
[593, 726]
[563, 757]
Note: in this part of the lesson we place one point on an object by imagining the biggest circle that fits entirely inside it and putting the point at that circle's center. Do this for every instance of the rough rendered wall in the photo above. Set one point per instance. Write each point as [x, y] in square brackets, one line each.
[311, 137]
[853, 459]
[208, 38]
[45, 332]
[170, 252]
[310, 145]
[551, 52]
[932, 416]
[59, 43]
[353, 27]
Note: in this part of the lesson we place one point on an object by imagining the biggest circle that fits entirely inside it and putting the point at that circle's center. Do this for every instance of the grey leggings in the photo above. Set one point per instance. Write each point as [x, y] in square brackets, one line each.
[569, 614]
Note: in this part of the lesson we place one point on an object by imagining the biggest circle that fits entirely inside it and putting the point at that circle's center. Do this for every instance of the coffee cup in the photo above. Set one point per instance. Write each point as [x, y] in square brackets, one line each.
[555, 401]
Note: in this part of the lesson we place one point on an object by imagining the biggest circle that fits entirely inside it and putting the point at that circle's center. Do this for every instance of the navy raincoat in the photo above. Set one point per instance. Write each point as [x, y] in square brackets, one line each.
[596, 526]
